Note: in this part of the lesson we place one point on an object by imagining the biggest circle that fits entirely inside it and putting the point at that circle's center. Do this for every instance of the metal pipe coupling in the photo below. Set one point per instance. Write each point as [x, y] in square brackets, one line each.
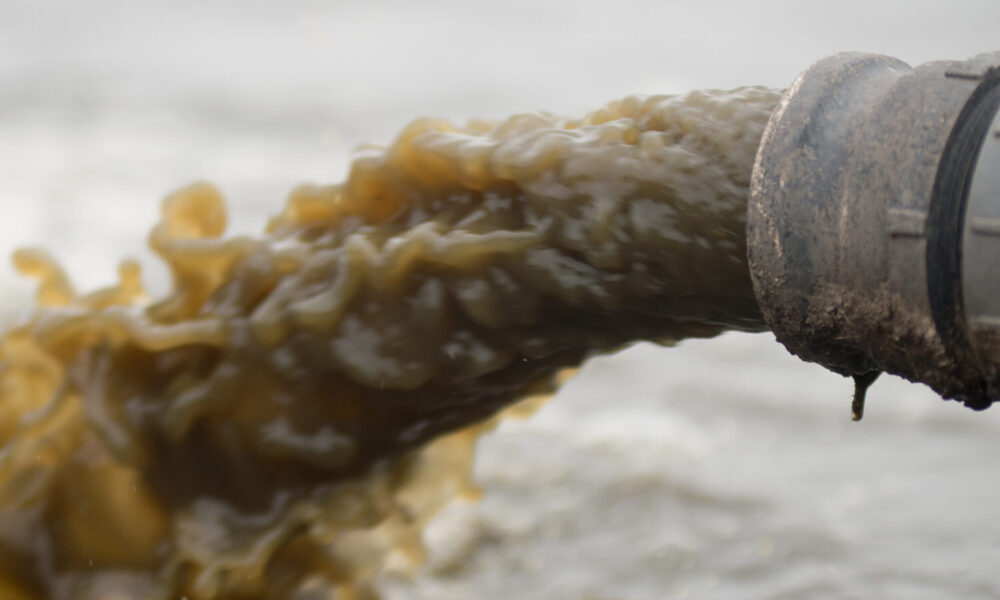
[874, 222]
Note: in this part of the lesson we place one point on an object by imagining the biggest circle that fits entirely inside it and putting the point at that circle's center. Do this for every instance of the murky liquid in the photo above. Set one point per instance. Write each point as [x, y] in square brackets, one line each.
[262, 431]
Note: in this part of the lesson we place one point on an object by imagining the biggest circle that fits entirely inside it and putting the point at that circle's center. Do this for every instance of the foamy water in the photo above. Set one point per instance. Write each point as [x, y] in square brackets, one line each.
[717, 469]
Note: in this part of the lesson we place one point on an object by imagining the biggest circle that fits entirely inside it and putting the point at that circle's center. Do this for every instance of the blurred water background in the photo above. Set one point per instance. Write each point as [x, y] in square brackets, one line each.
[720, 469]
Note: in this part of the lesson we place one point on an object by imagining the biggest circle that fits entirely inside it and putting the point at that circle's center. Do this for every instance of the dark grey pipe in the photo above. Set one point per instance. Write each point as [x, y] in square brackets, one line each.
[874, 222]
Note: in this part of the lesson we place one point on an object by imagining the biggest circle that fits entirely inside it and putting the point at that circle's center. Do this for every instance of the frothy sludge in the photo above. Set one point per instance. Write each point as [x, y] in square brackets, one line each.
[261, 432]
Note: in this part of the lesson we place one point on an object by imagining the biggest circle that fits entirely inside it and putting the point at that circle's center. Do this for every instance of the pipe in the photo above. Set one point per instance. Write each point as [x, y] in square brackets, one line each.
[874, 222]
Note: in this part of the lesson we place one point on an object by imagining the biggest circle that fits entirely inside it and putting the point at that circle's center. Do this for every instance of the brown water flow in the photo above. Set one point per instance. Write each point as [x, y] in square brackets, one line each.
[262, 431]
